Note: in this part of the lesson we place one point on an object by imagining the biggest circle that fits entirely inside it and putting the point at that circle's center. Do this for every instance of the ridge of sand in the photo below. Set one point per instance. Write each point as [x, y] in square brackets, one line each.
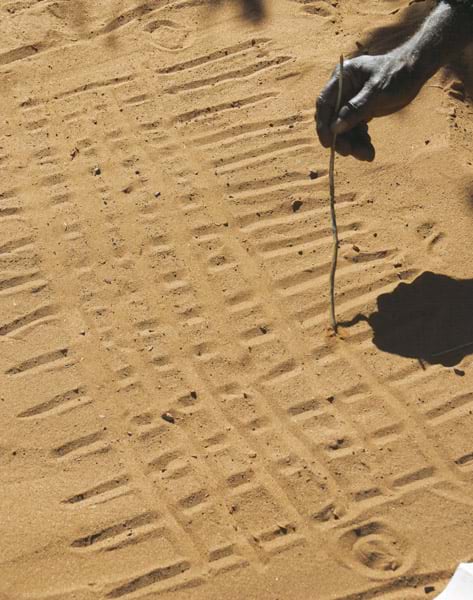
[174, 420]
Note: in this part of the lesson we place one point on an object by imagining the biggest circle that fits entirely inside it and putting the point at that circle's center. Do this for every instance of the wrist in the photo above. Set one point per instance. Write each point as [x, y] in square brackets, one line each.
[443, 36]
[418, 61]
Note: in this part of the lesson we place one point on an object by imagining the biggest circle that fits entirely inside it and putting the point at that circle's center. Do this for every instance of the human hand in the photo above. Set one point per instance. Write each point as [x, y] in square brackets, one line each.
[373, 86]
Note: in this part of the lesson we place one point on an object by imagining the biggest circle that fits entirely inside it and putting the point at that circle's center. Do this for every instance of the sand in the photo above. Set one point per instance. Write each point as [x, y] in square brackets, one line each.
[176, 421]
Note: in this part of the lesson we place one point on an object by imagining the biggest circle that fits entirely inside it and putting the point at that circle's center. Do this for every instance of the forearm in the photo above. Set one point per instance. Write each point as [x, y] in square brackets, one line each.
[444, 34]
[380, 85]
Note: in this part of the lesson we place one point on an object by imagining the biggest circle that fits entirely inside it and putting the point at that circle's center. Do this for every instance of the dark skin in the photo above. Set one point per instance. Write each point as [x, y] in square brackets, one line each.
[376, 86]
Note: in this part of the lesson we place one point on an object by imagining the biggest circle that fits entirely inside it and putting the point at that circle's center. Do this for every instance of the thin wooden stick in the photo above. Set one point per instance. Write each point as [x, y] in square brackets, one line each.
[455, 349]
[332, 206]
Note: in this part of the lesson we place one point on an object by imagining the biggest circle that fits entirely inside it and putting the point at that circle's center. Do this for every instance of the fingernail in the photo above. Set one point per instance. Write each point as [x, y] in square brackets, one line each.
[340, 126]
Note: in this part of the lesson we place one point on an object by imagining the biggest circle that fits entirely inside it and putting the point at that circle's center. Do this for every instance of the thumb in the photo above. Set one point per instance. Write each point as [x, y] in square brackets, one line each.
[355, 111]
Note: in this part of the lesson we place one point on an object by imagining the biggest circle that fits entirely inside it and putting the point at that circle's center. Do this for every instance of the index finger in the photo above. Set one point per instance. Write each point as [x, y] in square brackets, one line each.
[325, 110]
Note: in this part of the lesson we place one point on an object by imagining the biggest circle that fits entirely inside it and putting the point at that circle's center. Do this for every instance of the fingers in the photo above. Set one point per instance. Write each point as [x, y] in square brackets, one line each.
[350, 123]
[356, 143]
[364, 152]
[356, 111]
[362, 147]
[326, 104]
[343, 146]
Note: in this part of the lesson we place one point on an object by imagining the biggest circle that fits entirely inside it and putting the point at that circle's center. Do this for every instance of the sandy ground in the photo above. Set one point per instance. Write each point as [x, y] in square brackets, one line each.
[175, 421]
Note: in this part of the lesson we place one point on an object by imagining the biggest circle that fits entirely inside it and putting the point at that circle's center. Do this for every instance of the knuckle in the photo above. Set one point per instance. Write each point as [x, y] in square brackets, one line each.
[320, 101]
[355, 105]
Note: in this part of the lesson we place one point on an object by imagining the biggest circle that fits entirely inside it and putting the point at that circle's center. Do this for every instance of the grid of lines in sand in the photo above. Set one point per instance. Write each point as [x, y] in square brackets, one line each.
[270, 450]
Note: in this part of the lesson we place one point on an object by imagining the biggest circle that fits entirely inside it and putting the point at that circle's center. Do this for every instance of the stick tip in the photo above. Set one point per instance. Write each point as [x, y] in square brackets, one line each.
[331, 332]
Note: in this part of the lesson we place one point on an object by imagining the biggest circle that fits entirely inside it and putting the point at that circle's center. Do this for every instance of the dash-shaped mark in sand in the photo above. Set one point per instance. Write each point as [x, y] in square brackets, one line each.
[152, 577]
[16, 245]
[58, 404]
[130, 15]
[39, 316]
[223, 53]
[22, 52]
[224, 106]
[9, 211]
[50, 360]
[87, 444]
[464, 460]
[17, 283]
[236, 74]
[114, 534]
[94, 85]
[227, 136]
[104, 492]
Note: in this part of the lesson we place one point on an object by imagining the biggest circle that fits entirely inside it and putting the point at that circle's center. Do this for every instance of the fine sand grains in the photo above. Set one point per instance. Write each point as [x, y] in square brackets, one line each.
[174, 421]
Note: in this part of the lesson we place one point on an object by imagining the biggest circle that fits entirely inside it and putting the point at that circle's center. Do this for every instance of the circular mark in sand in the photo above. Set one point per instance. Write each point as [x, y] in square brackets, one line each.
[168, 35]
[376, 550]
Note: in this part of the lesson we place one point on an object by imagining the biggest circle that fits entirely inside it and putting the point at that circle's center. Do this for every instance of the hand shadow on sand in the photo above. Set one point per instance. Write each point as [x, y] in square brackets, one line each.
[430, 319]
[251, 10]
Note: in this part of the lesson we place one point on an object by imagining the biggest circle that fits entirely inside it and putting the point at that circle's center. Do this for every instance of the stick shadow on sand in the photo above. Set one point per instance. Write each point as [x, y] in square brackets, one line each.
[430, 319]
